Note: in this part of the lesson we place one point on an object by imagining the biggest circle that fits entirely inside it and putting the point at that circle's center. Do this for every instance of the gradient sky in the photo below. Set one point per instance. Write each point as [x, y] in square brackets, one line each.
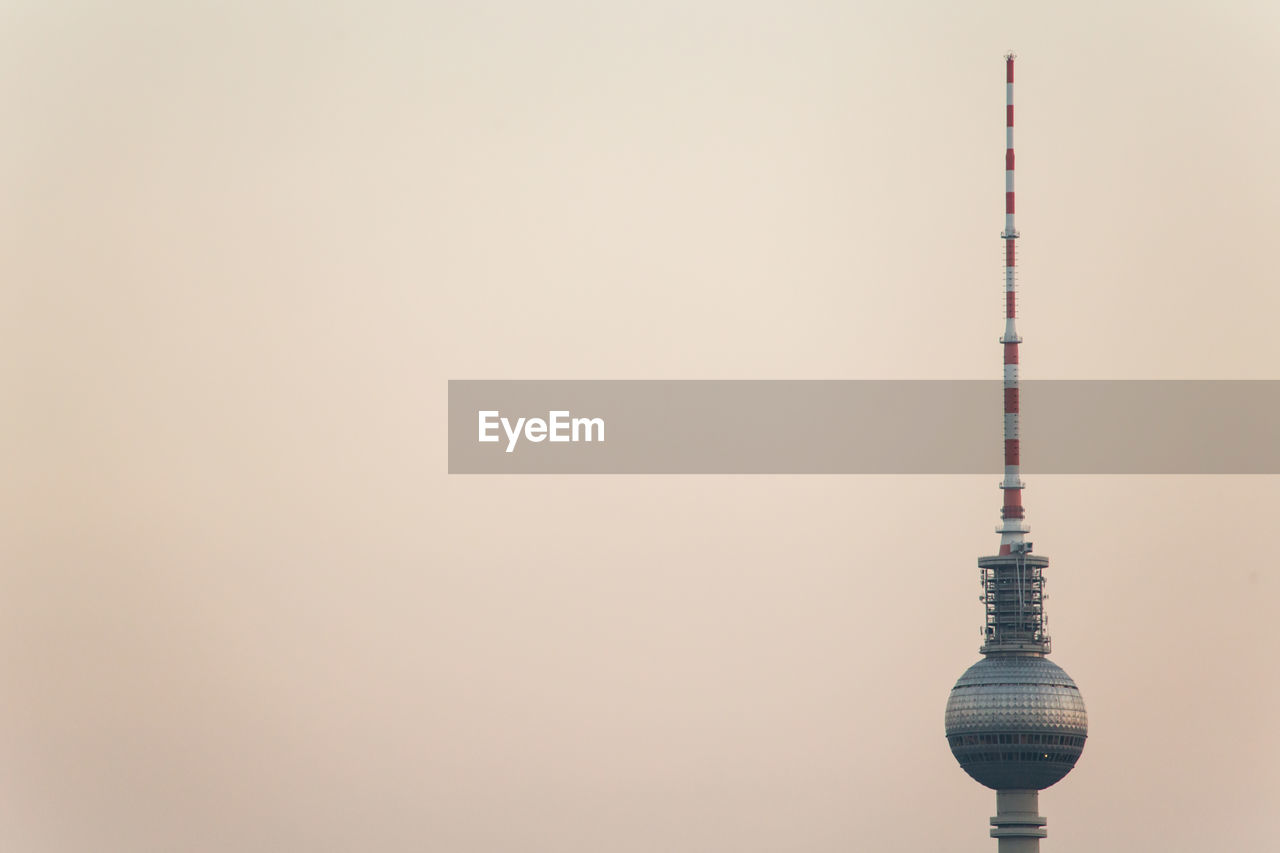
[244, 608]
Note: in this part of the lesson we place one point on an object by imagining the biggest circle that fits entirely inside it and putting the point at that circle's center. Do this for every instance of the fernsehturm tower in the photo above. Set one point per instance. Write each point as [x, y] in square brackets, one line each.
[1015, 720]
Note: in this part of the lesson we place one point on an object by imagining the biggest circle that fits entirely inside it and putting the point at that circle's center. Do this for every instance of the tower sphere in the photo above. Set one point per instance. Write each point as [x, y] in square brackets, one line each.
[1016, 722]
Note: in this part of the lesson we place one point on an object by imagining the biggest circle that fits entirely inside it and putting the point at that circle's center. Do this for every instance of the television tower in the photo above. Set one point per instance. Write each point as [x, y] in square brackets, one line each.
[1015, 720]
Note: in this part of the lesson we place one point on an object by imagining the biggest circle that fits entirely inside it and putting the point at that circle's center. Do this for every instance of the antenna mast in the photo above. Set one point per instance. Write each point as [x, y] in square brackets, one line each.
[1013, 525]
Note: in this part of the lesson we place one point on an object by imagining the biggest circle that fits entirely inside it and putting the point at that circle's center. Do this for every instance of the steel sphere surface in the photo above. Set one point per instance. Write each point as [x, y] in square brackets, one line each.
[1016, 722]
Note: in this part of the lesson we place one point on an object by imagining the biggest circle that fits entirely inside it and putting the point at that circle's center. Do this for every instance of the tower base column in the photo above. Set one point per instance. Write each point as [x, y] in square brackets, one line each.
[1018, 825]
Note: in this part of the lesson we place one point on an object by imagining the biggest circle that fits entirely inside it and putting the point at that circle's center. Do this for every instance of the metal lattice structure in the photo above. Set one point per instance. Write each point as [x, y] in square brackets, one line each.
[1013, 597]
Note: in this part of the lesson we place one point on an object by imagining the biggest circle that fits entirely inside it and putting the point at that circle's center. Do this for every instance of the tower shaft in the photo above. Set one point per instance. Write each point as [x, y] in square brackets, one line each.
[1018, 825]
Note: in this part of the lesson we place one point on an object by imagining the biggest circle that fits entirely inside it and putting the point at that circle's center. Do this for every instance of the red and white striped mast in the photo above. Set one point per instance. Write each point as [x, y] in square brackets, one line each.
[1013, 525]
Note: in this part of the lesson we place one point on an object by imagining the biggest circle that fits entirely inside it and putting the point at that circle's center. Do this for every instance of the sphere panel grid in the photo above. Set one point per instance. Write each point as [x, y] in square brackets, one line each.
[1016, 722]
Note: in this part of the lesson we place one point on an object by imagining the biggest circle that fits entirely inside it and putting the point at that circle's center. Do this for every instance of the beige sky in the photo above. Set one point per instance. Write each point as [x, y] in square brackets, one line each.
[245, 609]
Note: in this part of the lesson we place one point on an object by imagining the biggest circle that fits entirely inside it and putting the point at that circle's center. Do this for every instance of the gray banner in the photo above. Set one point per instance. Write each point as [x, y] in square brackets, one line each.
[860, 427]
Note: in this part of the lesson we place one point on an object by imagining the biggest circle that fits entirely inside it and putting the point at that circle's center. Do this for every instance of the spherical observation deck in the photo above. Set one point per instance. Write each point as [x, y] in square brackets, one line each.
[1016, 722]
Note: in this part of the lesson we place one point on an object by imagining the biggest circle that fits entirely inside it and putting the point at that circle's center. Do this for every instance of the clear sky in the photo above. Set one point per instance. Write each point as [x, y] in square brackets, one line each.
[246, 244]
